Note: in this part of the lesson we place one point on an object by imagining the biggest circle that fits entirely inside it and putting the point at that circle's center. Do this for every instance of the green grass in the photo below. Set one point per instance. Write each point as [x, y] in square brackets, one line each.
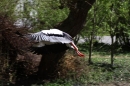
[100, 72]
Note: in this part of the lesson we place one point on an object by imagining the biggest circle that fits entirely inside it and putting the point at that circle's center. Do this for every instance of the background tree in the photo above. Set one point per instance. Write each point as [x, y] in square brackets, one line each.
[73, 24]
[92, 27]
[110, 19]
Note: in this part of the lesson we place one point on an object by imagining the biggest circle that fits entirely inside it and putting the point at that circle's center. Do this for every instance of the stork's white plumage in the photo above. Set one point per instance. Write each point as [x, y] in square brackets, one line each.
[52, 36]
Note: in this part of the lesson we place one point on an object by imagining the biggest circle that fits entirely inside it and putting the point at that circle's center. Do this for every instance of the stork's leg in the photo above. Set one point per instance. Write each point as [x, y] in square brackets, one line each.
[78, 52]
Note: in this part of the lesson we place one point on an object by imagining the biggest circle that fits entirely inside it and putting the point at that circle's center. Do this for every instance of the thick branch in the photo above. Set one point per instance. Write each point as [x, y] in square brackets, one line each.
[77, 17]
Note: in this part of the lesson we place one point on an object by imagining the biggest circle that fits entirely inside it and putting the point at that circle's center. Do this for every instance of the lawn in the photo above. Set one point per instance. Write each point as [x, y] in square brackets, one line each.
[100, 73]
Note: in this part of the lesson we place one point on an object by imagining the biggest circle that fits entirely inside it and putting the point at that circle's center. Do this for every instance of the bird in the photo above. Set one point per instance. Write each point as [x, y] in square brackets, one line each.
[53, 36]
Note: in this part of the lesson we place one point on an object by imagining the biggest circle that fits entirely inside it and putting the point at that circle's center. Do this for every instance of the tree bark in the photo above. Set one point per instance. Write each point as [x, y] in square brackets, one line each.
[73, 24]
[92, 38]
[112, 50]
[76, 19]
[90, 49]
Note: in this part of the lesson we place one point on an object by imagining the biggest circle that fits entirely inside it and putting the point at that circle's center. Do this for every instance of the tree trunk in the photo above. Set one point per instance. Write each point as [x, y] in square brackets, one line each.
[92, 37]
[48, 64]
[72, 25]
[76, 19]
[112, 50]
[90, 48]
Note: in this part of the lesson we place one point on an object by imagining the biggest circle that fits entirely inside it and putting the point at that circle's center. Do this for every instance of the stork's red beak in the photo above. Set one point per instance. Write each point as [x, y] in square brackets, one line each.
[80, 54]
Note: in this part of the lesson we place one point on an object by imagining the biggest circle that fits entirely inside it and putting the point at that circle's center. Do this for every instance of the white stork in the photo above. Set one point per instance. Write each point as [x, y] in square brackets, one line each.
[52, 36]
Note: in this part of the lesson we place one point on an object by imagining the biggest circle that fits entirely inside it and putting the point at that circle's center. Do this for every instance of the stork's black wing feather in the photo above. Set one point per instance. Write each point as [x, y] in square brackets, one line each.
[52, 36]
[39, 36]
[67, 36]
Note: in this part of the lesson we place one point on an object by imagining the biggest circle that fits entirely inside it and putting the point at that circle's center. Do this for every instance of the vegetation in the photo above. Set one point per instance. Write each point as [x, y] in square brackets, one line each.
[103, 64]
[106, 18]
[100, 72]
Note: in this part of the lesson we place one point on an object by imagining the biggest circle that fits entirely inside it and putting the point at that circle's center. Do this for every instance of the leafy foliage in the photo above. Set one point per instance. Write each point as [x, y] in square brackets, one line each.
[43, 14]
[108, 18]
[7, 7]
[116, 12]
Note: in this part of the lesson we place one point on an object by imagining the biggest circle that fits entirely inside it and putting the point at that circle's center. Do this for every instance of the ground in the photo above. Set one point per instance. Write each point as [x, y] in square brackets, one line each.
[123, 83]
